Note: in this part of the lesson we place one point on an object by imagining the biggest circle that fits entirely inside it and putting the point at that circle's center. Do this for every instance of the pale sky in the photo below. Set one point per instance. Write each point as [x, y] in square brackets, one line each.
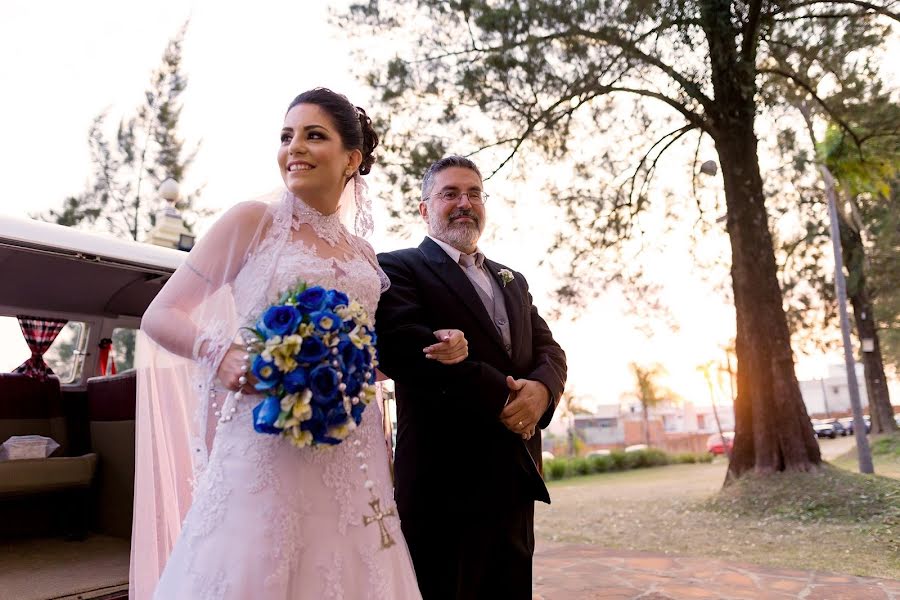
[64, 62]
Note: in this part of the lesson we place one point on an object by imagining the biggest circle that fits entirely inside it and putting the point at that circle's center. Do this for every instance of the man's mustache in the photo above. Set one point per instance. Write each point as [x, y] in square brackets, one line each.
[463, 212]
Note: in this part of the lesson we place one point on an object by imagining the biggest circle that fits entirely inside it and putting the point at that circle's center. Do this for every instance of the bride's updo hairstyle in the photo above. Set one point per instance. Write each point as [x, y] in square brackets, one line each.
[352, 122]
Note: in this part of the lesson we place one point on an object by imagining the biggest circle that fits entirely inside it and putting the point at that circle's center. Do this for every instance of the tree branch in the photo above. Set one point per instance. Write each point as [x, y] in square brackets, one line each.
[799, 82]
[751, 28]
[881, 10]
[692, 117]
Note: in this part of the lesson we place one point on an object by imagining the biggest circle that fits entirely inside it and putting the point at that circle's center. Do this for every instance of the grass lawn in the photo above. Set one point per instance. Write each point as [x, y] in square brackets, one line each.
[834, 520]
[885, 456]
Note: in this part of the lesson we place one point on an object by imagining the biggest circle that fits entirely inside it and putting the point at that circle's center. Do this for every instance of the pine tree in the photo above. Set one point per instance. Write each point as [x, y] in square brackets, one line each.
[128, 168]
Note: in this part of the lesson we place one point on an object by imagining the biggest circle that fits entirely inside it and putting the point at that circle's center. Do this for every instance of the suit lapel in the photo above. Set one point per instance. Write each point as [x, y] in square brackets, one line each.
[454, 278]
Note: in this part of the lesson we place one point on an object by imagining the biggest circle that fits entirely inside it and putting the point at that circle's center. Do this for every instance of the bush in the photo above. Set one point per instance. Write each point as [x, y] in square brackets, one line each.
[705, 457]
[654, 457]
[618, 458]
[555, 469]
[691, 458]
[580, 466]
[601, 463]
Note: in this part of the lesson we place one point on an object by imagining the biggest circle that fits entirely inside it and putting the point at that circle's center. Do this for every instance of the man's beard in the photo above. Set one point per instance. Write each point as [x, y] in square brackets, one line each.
[458, 235]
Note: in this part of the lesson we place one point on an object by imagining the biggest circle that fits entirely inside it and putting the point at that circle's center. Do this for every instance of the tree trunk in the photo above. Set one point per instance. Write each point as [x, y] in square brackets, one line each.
[772, 428]
[880, 410]
[646, 424]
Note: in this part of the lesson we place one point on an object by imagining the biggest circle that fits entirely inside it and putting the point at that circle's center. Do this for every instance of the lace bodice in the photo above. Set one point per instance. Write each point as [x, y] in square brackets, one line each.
[354, 276]
[336, 261]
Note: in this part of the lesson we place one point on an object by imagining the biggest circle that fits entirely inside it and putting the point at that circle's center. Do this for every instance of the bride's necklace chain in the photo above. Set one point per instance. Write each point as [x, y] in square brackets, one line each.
[327, 227]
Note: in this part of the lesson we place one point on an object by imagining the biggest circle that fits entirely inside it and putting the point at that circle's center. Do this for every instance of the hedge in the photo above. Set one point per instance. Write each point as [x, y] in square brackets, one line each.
[618, 460]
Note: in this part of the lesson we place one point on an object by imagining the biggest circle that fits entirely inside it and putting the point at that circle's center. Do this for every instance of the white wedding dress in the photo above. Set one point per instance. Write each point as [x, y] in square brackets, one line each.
[275, 522]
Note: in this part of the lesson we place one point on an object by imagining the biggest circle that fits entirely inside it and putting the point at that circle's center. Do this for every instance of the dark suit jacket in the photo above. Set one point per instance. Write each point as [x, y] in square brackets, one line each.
[453, 453]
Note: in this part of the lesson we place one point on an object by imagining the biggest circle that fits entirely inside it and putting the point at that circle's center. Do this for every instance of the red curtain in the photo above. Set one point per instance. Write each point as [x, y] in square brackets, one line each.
[105, 358]
[39, 335]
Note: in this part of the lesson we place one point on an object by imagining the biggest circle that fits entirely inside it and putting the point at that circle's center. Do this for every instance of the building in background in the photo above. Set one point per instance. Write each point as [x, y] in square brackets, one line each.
[829, 396]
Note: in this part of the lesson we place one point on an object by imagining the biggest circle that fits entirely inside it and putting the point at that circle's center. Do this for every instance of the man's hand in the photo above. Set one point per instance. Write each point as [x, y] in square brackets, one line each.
[452, 348]
[528, 400]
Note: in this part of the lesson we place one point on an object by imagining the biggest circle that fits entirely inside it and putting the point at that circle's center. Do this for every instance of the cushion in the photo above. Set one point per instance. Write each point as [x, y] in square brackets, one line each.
[36, 475]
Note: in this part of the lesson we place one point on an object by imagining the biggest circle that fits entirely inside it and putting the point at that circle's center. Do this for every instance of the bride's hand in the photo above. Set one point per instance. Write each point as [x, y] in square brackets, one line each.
[451, 349]
[236, 364]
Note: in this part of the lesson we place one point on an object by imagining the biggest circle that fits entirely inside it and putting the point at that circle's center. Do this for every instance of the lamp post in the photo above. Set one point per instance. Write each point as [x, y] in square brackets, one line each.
[169, 229]
[840, 286]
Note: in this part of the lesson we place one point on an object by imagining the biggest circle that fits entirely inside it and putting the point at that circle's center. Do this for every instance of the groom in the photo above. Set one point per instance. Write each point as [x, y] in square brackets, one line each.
[468, 462]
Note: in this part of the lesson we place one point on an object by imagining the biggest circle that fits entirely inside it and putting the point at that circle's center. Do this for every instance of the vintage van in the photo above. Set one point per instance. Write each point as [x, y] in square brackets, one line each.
[65, 519]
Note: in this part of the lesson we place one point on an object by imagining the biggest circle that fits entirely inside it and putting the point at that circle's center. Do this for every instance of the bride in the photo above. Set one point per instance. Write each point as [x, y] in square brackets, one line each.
[222, 511]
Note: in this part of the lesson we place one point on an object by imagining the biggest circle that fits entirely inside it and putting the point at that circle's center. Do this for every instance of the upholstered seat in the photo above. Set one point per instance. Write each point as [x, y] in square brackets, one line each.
[111, 410]
[39, 475]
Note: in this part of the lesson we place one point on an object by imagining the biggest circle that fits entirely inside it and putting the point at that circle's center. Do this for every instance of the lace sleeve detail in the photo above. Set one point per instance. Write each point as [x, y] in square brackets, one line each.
[217, 342]
[365, 248]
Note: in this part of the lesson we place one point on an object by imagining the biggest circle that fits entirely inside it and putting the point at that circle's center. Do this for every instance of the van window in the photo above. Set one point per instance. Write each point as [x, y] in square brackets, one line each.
[65, 356]
[13, 349]
[123, 347]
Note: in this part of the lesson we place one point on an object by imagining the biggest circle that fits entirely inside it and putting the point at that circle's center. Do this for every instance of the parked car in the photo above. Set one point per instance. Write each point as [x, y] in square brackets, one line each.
[714, 444]
[847, 422]
[839, 428]
[824, 428]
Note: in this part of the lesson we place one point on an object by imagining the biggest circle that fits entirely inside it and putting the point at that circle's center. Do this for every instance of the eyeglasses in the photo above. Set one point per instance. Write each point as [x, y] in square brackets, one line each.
[475, 197]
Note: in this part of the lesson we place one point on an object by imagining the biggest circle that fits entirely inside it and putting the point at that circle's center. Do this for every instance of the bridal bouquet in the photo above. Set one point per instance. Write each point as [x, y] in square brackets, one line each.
[314, 357]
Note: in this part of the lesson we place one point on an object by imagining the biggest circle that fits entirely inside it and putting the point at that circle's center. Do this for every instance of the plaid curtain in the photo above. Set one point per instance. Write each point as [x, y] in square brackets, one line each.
[39, 335]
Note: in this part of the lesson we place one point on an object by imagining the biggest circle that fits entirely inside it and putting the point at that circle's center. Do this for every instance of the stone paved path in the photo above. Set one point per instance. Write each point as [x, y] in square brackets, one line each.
[586, 572]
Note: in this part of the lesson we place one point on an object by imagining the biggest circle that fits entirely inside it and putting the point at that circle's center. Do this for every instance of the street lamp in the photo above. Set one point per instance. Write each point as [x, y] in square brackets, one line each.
[864, 453]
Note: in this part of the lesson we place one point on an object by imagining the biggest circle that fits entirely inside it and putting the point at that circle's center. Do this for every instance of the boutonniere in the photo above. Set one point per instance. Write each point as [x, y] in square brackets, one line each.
[506, 276]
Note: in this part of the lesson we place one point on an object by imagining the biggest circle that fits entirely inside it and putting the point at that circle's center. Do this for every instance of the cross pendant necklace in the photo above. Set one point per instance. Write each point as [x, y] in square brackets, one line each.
[386, 540]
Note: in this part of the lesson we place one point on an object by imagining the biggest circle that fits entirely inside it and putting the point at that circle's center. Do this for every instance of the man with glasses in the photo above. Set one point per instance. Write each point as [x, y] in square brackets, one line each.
[467, 465]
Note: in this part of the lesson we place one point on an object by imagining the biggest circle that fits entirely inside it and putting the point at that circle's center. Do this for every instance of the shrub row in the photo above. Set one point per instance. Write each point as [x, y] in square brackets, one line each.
[618, 460]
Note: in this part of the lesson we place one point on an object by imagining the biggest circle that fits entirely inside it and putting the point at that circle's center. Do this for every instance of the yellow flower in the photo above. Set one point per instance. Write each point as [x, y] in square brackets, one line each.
[295, 408]
[299, 438]
[359, 338]
[305, 329]
[368, 393]
[340, 432]
[284, 352]
[302, 411]
[271, 343]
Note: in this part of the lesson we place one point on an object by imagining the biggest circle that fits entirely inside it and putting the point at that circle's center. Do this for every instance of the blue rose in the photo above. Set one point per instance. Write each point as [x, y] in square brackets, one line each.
[295, 381]
[354, 383]
[334, 298]
[356, 412]
[311, 299]
[266, 373]
[312, 350]
[326, 321]
[265, 414]
[279, 320]
[336, 416]
[323, 381]
[352, 357]
[315, 424]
